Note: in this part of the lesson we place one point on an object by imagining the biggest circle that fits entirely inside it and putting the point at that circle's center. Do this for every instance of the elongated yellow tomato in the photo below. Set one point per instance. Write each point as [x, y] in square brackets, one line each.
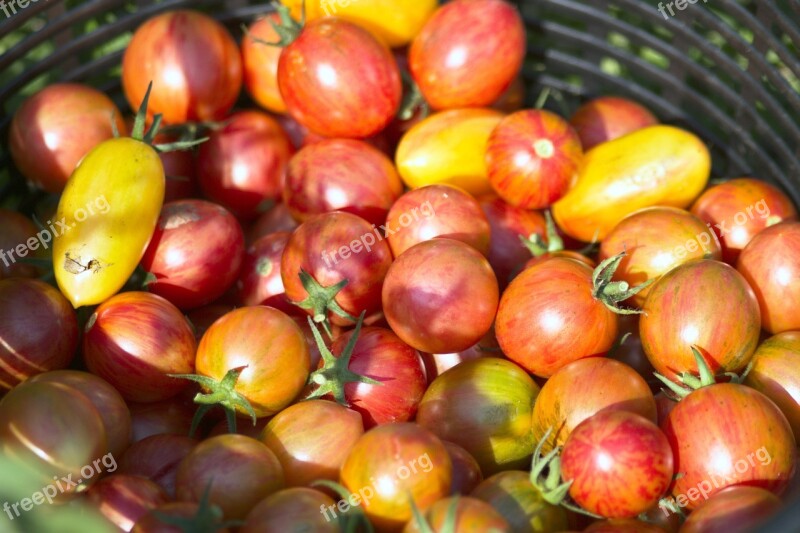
[395, 22]
[659, 165]
[448, 147]
[105, 219]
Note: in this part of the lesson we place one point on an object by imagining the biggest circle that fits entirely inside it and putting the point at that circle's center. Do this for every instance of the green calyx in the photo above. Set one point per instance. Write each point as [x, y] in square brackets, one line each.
[352, 521]
[537, 246]
[207, 519]
[148, 137]
[321, 299]
[288, 29]
[611, 293]
[413, 99]
[222, 393]
[449, 525]
[335, 373]
[688, 382]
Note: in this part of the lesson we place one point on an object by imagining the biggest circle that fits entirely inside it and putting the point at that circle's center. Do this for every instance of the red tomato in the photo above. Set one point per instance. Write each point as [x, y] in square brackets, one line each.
[468, 53]
[338, 80]
[739, 508]
[124, 499]
[190, 516]
[38, 331]
[294, 509]
[626, 525]
[741, 208]
[609, 117]
[202, 318]
[15, 232]
[193, 63]
[583, 388]
[195, 253]
[179, 170]
[341, 174]
[157, 458]
[260, 280]
[533, 158]
[260, 64]
[466, 471]
[169, 416]
[437, 364]
[134, 340]
[396, 464]
[277, 218]
[468, 514]
[440, 296]
[53, 129]
[243, 163]
[771, 265]
[619, 463]
[311, 439]
[706, 304]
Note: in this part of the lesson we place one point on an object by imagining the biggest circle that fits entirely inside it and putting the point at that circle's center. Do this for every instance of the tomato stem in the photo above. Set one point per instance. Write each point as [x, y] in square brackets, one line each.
[207, 518]
[288, 29]
[611, 293]
[688, 383]
[354, 520]
[321, 299]
[139, 134]
[537, 246]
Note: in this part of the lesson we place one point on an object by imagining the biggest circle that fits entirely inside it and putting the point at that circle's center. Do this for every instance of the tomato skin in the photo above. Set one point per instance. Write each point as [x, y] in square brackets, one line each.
[583, 388]
[172, 416]
[721, 205]
[468, 53]
[466, 471]
[260, 280]
[448, 147]
[776, 374]
[338, 80]
[657, 239]
[276, 219]
[53, 129]
[771, 265]
[38, 328]
[548, 317]
[437, 364]
[609, 117]
[341, 174]
[619, 462]
[739, 508]
[196, 48]
[133, 340]
[624, 525]
[272, 347]
[520, 503]
[437, 211]
[260, 64]
[380, 454]
[533, 158]
[124, 499]
[311, 439]
[157, 458]
[484, 406]
[292, 509]
[16, 229]
[152, 521]
[658, 165]
[428, 291]
[471, 515]
[706, 304]
[735, 420]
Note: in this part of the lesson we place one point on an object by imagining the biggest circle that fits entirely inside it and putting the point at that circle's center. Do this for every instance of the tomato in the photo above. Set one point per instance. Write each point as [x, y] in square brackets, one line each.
[193, 62]
[237, 471]
[277, 218]
[333, 248]
[631, 352]
[38, 331]
[53, 129]
[134, 340]
[157, 458]
[155, 418]
[706, 304]
[124, 499]
[533, 158]
[484, 406]
[436, 211]
[776, 374]
[440, 296]
[448, 147]
[739, 508]
[243, 163]
[311, 439]
[550, 315]
[740, 427]
[294, 509]
[202, 318]
[110, 406]
[190, 516]
[341, 174]
[518, 501]
[259, 280]
[270, 347]
[468, 53]
[195, 253]
[609, 117]
[16, 231]
[179, 170]
[583, 388]
[468, 515]
[656, 240]
[55, 432]
[771, 265]
[658, 165]
[438, 363]
[625, 525]
[396, 464]
[338, 80]
[466, 470]
[260, 64]
[619, 463]
[739, 209]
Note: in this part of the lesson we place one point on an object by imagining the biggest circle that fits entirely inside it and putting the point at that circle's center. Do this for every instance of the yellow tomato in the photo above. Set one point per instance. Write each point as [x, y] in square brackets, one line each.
[448, 147]
[659, 165]
[395, 22]
[105, 218]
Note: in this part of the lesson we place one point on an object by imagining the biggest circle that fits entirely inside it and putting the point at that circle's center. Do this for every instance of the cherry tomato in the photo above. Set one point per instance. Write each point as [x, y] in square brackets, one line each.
[293, 509]
[466, 470]
[260, 280]
[162, 519]
[124, 499]
[260, 64]
[155, 418]
[16, 231]
[739, 508]
[468, 514]
[157, 458]
[608, 118]
[277, 218]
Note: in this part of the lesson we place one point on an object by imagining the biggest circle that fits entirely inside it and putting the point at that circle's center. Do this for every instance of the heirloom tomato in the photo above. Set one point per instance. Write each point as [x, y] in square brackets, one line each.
[608, 118]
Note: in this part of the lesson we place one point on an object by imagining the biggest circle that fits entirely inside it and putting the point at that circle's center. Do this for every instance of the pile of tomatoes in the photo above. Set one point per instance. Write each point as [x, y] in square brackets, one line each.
[381, 295]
